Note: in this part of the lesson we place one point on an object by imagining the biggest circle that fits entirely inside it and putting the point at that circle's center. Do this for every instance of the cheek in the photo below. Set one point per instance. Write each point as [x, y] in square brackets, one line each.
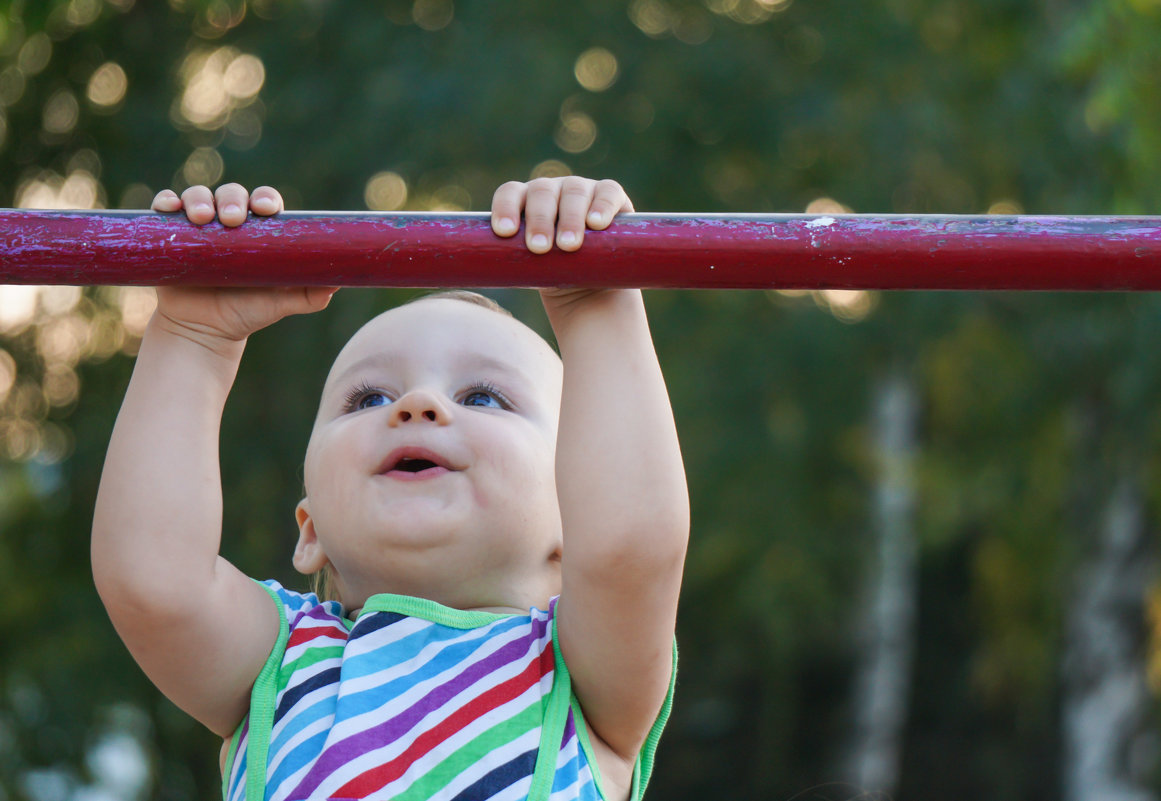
[524, 467]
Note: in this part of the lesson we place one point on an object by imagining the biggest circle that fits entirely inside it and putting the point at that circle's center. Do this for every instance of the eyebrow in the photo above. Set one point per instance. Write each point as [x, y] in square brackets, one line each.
[473, 361]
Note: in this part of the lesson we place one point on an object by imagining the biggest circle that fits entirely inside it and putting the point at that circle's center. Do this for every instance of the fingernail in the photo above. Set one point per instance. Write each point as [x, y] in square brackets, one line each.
[539, 242]
[203, 207]
[595, 218]
[232, 208]
[568, 238]
[506, 225]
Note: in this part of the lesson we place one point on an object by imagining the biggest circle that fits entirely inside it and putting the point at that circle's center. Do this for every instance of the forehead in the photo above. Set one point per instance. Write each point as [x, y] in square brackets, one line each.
[445, 332]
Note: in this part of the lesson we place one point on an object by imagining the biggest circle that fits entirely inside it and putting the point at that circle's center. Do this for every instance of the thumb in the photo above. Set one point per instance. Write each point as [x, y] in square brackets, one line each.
[305, 300]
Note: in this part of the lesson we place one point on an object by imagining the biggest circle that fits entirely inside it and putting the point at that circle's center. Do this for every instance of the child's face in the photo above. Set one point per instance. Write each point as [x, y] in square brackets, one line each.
[430, 469]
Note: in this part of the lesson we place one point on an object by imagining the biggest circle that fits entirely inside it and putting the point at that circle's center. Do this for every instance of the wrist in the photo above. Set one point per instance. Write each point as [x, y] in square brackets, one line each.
[566, 305]
[167, 331]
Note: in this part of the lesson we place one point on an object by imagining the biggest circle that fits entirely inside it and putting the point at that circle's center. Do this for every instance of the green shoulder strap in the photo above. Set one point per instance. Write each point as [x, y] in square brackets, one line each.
[262, 699]
[552, 729]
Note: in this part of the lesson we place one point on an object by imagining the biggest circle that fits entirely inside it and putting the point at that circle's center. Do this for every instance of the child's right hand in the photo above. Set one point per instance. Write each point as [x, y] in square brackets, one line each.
[212, 316]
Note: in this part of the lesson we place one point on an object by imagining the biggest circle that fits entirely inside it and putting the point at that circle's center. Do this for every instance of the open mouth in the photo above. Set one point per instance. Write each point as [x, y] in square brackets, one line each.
[411, 462]
[408, 465]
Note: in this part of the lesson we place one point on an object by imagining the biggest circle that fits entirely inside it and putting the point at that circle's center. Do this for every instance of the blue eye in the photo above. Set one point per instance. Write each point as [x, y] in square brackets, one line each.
[372, 399]
[487, 396]
[364, 397]
[481, 399]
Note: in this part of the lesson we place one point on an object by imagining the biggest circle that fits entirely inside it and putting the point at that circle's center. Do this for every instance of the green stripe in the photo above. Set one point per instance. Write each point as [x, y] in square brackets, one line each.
[431, 611]
[472, 752]
[312, 656]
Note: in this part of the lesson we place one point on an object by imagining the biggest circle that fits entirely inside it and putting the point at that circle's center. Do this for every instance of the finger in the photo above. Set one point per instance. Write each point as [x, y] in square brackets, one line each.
[166, 200]
[233, 203]
[609, 200]
[507, 203]
[266, 200]
[198, 203]
[576, 196]
[303, 300]
[540, 207]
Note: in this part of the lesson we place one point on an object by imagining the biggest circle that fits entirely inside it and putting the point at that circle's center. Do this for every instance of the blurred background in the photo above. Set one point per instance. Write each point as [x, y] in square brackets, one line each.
[924, 555]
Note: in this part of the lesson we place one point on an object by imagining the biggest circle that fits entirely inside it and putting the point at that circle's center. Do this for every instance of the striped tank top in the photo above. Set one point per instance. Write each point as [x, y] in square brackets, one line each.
[413, 700]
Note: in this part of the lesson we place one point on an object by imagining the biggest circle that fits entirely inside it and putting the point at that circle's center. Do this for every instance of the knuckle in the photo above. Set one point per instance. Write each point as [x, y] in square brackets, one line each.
[542, 185]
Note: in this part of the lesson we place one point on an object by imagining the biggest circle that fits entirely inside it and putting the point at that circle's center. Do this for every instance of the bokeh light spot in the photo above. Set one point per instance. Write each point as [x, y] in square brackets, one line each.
[137, 304]
[11, 85]
[7, 373]
[216, 83]
[385, 191]
[652, 17]
[244, 77]
[17, 307]
[576, 132]
[204, 166]
[552, 168]
[433, 15]
[34, 54]
[693, 26]
[107, 85]
[83, 12]
[48, 190]
[596, 69]
[1006, 207]
[61, 112]
[826, 205]
[136, 196]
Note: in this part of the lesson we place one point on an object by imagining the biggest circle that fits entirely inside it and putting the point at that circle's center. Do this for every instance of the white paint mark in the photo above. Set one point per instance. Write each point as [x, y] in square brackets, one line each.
[172, 237]
[821, 222]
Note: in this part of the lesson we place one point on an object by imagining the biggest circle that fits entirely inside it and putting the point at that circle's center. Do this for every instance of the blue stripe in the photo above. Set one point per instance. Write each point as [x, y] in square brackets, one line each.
[497, 779]
[292, 695]
[370, 623]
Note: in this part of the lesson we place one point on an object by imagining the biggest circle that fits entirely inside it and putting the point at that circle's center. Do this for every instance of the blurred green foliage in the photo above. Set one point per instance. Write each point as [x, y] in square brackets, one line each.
[1032, 405]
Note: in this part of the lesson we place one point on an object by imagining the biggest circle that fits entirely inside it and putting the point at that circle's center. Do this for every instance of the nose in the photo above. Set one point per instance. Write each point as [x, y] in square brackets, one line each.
[419, 406]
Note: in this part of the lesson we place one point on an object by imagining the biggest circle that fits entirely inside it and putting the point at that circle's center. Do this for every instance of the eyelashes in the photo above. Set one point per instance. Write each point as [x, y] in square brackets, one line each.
[353, 400]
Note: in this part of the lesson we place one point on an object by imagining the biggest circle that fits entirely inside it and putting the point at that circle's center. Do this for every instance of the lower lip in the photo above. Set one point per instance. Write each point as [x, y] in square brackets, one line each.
[422, 475]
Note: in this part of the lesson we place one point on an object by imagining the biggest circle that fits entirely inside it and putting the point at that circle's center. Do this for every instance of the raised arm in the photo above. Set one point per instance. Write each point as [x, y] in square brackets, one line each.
[620, 478]
[195, 624]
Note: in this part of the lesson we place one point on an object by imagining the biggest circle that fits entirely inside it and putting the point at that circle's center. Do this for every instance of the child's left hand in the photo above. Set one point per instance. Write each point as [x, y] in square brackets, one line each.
[557, 209]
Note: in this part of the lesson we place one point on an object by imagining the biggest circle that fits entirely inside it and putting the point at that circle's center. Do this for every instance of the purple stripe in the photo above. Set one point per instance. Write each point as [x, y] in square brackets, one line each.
[569, 729]
[342, 752]
[241, 754]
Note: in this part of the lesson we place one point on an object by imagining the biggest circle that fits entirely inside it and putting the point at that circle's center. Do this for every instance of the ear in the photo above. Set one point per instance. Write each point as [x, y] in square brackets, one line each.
[309, 556]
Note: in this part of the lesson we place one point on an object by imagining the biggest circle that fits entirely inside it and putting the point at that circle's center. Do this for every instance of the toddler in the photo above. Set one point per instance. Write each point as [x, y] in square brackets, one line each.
[502, 531]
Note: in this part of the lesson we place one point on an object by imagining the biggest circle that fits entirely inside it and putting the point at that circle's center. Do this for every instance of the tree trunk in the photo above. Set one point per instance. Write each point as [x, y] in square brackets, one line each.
[1109, 744]
[886, 636]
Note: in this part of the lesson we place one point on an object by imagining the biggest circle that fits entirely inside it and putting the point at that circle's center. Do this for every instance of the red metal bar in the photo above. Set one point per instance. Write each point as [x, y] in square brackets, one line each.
[775, 251]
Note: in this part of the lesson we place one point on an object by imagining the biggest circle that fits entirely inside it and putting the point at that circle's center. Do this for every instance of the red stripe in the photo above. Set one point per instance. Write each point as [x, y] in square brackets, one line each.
[376, 778]
[301, 635]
